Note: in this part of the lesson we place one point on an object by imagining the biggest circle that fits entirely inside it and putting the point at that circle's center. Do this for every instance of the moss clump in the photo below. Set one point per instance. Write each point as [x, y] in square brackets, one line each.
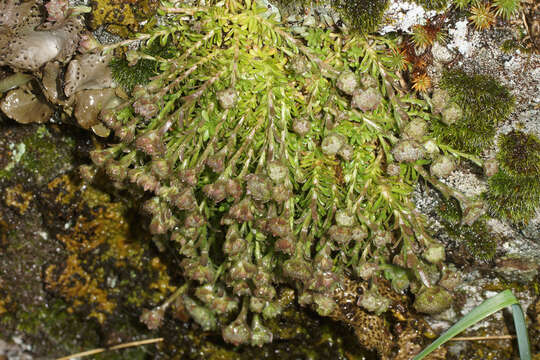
[432, 4]
[129, 76]
[361, 15]
[479, 243]
[484, 103]
[514, 192]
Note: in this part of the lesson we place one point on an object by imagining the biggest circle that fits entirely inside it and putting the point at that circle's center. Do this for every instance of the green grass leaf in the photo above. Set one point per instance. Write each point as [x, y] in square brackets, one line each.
[488, 307]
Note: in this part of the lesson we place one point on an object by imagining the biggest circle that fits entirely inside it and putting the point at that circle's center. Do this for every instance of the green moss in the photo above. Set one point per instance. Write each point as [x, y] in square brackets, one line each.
[432, 4]
[514, 198]
[476, 238]
[514, 192]
[519, 154]
[36, 155]
[361, 15]
[484, 103]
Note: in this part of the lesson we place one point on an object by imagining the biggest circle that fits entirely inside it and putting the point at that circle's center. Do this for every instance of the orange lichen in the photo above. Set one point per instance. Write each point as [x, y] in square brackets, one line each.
[16, 197]
[100, 246]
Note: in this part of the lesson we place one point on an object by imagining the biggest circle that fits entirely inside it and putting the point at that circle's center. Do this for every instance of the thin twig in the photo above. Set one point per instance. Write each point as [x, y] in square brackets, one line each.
[476, 338]
[115, 347]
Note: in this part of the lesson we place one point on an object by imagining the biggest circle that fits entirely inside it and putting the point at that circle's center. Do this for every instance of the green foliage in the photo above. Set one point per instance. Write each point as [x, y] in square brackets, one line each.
[433, 4]
[266, 165]
[519, 154]
[488, 307]
[484, 103]
[514, 192]
[129, 76]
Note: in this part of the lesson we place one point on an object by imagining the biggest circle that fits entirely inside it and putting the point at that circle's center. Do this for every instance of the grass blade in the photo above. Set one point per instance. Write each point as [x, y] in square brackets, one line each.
[488, 307]
[521, 332]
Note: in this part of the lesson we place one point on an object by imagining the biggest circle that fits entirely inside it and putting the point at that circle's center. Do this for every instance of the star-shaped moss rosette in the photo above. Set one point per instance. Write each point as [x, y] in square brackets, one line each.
[273, 159]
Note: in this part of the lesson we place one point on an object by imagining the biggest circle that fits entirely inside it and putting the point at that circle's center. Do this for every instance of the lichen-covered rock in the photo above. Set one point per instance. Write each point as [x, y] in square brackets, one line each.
[24, 107]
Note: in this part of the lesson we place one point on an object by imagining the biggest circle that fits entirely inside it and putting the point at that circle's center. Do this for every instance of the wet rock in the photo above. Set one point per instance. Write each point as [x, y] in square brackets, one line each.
[24, 107]
[416, 129]
[517, 268]
[347, 82]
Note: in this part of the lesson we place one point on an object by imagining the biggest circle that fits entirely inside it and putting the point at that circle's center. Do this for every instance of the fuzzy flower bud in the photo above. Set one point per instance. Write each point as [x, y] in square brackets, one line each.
[299, 64]
[346, 152]
[279, 227]
[202, 316]
[234, 189]
[442, 166]
[435, 253]
[216, 191]
[491, 167]
[126, 133]
[408, 151]
[451, 113]
[185, 200]
[277, 172]
[301, 126]
[372, 301]
[152, 318]
[160, 168]
[324, 305]
[242, 211]
[366, 100]
[150, 143]
[115, 170]
[347, 82]
[237, 332]
[285, 245]
[260, 335]
[344, 218]
[416, 129]
[258, 187]
[227, 98]
[332, 143]
[297, 269]
[340, 234]
[280, 194]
